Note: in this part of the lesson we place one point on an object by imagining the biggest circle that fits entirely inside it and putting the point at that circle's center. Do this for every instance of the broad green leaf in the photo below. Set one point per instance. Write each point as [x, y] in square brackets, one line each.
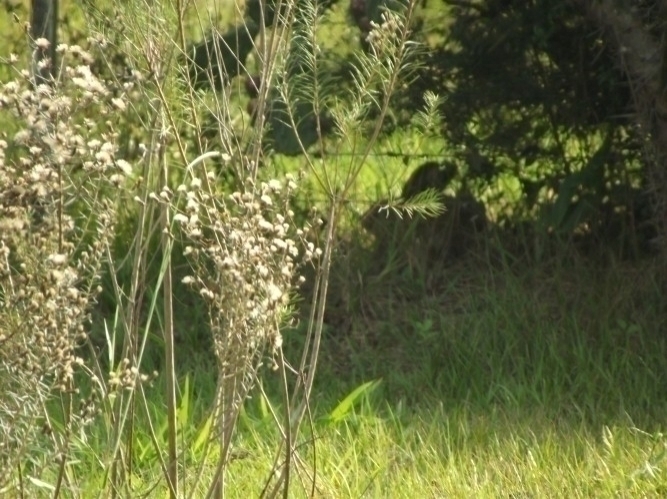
[343, 409]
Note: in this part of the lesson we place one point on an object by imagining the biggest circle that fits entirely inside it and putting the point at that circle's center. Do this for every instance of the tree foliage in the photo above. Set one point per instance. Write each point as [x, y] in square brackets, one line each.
[538, 98]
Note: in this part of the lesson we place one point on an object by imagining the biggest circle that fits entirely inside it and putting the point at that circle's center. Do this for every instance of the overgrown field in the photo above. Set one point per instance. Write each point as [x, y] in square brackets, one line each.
[546, 380]
[186, 311]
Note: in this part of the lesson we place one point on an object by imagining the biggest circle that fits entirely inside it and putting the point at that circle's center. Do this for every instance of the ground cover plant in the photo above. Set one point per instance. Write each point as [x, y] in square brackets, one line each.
[218, 284]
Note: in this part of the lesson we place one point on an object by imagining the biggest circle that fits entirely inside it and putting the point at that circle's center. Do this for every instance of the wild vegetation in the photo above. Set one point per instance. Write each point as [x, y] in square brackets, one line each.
[301, 249]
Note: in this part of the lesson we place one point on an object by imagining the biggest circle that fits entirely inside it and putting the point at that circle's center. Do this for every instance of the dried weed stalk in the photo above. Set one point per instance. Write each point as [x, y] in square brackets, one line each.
[58, 176]
[244, 250]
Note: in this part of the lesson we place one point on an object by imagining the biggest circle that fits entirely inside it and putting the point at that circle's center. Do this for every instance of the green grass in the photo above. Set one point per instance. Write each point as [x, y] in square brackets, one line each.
[544, 381]
[549, 382]
[459, 452]
[464, 452]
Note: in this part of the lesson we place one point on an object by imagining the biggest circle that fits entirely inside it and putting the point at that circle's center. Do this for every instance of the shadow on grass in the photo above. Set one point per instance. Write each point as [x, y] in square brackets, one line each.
[566, 336]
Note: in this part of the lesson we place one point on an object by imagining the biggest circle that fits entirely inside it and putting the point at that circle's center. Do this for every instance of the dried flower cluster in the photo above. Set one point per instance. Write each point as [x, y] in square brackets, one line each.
[127, 377]
[385, 34]
[244, 251]
[57, 173]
